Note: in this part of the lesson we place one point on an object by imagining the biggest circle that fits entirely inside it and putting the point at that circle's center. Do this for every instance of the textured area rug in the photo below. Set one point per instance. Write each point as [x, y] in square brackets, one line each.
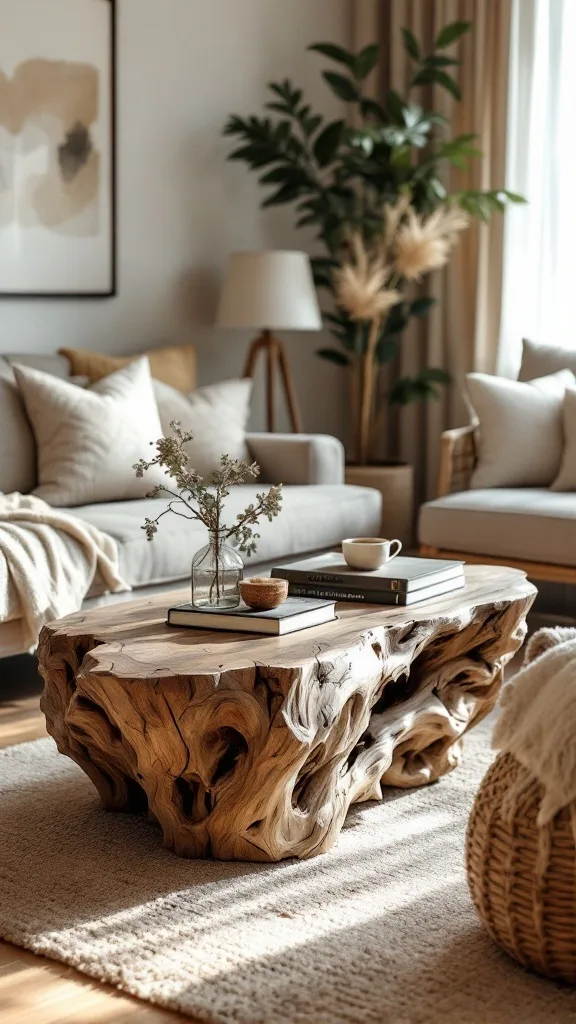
[379, 930]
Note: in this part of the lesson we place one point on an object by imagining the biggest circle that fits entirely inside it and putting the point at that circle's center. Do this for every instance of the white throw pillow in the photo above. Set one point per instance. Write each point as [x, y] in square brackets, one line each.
[216, 415]
[520, 429]
[566, 479]
[88, 439]
[539, 359]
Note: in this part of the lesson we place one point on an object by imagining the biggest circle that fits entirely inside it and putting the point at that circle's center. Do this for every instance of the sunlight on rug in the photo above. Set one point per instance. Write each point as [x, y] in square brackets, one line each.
[379, 930]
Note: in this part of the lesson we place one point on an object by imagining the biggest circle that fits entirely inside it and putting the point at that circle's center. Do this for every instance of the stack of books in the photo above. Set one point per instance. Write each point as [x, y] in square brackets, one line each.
[402, 581]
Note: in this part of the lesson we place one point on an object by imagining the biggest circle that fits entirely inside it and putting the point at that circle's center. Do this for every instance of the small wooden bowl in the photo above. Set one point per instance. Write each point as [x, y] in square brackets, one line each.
[263, 593]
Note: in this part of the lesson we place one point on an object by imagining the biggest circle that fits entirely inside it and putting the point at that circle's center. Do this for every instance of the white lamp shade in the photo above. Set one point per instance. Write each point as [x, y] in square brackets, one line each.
[272, 289]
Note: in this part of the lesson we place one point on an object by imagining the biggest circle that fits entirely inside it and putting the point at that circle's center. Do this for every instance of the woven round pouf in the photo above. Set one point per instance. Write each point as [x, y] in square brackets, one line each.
[522, 877]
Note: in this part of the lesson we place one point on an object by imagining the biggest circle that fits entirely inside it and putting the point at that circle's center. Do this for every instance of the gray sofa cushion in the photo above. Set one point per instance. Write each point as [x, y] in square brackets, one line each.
[18, 459]
[530, 524]
[312, 518]
[56, 365]
[540, 360]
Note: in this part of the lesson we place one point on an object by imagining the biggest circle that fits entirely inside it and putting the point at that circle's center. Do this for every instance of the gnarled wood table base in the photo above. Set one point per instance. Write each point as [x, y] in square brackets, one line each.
[251, 748]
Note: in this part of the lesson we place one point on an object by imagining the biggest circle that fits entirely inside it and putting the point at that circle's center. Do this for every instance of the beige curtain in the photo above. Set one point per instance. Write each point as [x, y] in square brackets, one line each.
[462, 331]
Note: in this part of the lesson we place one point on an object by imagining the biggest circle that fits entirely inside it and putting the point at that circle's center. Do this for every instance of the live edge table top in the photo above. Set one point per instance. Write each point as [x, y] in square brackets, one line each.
[251, 747]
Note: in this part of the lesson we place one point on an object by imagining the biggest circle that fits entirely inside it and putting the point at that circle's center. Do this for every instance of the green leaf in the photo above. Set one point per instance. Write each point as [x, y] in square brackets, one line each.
[422, 306]
[278, 106]
[310, 124]
[366, 61]
[363, 140]
[370, 108]
[342, 87]
[432, 373]
[436, 189]
[328, 142]
[395, 106]
[414, 389]
[285, 194]
[437, 60]
[450, 33]
[337, 319]
[386, 349]
[322, 269]
[397, 320]
[514, 197]
[282, 89]
[325, 262]
[256, 156]
[411, 44]
[281, 131]
[401, 159]
[333, 356]
[404, 390]
[437, 77]
[437, 119]
[285, 173]
[333, 52]
[302, 222]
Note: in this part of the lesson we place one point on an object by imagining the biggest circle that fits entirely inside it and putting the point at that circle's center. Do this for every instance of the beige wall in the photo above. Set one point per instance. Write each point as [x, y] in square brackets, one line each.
[184, 65]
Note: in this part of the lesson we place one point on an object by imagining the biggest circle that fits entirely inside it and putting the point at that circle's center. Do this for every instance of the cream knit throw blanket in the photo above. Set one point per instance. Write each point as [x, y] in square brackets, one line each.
[537, 724]
[48, 561]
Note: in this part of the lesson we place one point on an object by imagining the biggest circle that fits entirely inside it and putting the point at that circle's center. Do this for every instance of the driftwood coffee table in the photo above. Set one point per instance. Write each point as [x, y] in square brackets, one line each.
[253, 748]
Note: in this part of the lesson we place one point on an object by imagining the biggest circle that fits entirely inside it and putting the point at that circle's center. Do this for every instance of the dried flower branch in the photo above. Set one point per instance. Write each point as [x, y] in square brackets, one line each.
[423, 244]
[361, 283]
[204, 501]
[368, 282]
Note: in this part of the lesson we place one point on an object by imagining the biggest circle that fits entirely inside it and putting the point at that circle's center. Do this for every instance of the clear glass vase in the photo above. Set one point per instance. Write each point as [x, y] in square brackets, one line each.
[216, 573]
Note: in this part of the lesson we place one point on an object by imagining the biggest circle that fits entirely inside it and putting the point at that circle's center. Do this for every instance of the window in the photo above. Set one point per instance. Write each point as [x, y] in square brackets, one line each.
[539, 288]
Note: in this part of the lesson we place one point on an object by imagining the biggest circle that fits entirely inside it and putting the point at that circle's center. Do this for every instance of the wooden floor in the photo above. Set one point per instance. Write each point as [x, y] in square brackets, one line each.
[34, 990]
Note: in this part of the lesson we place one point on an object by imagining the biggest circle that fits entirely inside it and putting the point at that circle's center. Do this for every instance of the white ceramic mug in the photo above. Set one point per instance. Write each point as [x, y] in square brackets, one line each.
[369, 552]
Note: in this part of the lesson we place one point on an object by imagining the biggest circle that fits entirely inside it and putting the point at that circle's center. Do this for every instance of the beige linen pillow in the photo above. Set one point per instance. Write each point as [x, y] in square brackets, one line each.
[173, 364]
[216, 415]
[88, 439]
[566, 479]
[520, 429]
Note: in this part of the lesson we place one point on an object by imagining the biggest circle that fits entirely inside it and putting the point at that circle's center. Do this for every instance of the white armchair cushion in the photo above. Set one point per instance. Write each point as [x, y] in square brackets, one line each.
[520, 438]
[566, 479]
[530, 524]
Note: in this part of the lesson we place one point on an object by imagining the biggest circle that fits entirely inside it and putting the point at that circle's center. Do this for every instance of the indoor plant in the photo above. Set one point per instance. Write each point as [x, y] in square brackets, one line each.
[345, 178]
[217, 568]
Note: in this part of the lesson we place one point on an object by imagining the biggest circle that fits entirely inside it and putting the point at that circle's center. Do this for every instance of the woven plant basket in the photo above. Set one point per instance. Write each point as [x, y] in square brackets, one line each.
[522, 877]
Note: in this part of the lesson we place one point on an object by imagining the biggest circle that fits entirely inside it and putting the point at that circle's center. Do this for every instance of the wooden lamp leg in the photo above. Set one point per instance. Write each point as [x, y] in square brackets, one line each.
[276, 360]
[271, 372]
[289, 390]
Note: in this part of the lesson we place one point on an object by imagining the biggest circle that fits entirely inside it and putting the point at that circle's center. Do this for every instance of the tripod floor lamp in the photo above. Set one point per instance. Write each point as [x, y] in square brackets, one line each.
[270, 291]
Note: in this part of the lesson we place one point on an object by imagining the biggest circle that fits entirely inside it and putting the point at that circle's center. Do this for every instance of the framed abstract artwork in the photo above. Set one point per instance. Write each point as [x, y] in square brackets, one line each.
[57, 148]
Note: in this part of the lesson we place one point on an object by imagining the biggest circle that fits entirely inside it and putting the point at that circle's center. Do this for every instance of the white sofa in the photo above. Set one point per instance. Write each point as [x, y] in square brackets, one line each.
[533, 528]
[319, 509]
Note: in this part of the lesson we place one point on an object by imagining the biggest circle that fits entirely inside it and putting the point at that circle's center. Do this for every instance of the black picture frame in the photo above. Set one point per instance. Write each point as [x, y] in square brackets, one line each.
[112, 290]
